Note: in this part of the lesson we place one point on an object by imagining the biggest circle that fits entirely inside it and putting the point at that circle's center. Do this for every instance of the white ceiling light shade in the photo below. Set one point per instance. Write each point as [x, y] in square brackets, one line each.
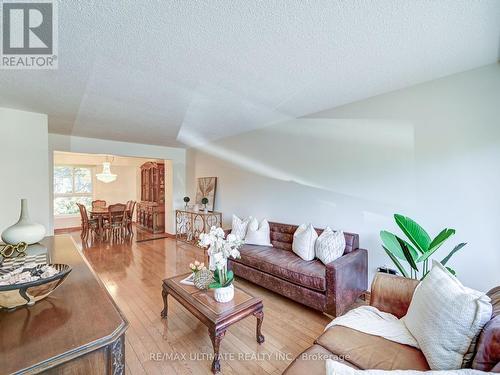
[106, 176]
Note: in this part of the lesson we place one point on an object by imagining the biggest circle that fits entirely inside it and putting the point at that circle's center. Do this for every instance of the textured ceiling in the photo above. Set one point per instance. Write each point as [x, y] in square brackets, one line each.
[165, 72]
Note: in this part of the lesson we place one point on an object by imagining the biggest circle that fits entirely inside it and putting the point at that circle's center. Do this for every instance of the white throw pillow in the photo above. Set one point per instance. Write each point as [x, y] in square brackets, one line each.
[444, 316]
[337, 368]
[330, 245]
[258, 234]
[304, 239]
[239, 227]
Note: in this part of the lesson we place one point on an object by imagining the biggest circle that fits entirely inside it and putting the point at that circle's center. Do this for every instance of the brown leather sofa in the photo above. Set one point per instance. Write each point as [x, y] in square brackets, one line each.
[330, 288]
[363, 351]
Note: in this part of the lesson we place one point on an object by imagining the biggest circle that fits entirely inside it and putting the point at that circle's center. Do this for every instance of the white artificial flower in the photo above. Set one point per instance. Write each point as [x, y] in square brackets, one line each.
[218, 257]
[205, 240]
[219, 249]
[220, 232]
[220, 243]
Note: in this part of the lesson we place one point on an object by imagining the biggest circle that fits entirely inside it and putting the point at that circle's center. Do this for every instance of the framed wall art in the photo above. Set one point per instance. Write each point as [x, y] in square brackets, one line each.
[205, 188]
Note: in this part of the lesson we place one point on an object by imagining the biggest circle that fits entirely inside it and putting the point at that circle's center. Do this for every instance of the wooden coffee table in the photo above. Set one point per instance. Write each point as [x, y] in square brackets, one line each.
[215, 315]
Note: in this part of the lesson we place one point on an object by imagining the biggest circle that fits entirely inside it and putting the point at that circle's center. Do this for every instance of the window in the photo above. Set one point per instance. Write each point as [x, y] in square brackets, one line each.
[72, 185]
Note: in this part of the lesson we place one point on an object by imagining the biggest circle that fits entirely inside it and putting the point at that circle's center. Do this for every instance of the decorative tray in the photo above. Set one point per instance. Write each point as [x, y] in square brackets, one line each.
[27, 293]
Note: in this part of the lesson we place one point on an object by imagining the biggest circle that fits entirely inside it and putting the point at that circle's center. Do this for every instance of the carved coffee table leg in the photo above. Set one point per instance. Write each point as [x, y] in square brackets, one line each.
[260, 318]
[165, 303]
[216, 337]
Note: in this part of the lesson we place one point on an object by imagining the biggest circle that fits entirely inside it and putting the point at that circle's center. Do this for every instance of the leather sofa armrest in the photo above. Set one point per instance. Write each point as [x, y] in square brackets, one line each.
[346, 280]
[227, 231]
[392, 294]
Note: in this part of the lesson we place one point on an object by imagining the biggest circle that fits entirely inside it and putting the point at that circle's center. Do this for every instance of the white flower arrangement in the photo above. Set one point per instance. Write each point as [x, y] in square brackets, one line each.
[219, 250]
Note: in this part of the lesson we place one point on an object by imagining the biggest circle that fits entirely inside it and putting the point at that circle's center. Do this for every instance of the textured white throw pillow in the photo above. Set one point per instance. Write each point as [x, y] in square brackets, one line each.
[444, 316]
[330, 245]
[337, 368]
[239, 227]
[258, 234]
[304, 239]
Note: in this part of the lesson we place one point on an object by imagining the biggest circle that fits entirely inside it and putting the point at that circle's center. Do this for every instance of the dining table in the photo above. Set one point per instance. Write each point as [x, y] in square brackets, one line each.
[100, 213]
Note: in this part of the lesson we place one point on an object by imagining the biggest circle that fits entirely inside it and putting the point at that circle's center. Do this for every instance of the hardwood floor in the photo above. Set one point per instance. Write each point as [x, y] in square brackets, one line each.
[133, 274]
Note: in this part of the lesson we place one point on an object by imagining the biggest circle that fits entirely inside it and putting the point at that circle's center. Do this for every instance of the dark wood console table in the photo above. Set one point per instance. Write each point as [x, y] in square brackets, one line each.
[78, 329]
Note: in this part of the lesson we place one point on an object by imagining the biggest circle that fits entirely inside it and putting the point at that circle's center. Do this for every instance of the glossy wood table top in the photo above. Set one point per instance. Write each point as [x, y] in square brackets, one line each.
[76, 318]
[204, 301]
[101, 211]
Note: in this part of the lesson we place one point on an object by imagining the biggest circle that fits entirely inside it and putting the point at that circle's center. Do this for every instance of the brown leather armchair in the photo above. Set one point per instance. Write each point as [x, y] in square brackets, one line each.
[359, 350]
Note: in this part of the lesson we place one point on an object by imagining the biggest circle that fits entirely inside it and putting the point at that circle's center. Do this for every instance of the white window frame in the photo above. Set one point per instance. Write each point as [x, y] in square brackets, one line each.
[71, 195]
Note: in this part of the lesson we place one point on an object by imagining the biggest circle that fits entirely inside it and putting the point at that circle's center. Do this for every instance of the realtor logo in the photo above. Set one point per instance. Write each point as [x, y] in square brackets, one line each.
[29, 34]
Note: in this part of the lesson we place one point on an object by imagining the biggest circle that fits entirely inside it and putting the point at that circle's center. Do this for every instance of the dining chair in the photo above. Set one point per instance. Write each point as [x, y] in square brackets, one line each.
[99, 203]
[130, 214]
[88, 225]
[116, 222]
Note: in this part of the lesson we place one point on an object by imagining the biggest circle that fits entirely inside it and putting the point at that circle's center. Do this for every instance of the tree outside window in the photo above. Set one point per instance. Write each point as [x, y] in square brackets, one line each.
[72, 185]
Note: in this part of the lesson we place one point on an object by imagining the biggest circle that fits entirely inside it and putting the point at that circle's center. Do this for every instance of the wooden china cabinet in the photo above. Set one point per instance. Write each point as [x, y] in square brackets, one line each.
[151, 209]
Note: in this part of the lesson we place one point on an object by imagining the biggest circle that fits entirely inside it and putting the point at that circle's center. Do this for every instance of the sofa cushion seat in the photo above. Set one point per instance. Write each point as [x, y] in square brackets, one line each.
[285, 265]
[371, 352]
[313, 361]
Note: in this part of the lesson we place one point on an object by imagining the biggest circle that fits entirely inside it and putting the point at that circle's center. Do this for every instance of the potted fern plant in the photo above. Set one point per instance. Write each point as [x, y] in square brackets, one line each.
[417, 249]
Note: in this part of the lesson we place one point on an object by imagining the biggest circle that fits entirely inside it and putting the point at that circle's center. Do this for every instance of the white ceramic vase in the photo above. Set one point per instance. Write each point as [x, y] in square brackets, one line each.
[24, 230]
[225, 294]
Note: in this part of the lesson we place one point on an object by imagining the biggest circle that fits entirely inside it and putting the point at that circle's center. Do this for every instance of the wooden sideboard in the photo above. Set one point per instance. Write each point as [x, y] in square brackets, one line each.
[151, 208]
[78, 329]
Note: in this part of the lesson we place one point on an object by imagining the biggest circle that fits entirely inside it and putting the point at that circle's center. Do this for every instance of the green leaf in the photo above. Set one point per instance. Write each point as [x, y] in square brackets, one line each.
[410, 257]
[455, 249]
[215, 285]
[396, 262]
[216, 276]
[229, 279]
[440, 238]
[415, 233]
[391, 244]
[429, 253]
[452, 271]
[395, 245]
[414, 253]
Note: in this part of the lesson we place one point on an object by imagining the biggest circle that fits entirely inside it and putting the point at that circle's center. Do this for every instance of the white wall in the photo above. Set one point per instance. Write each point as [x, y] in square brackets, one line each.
[23, 166]
[176, 175]
[121, 190]
[431, 152]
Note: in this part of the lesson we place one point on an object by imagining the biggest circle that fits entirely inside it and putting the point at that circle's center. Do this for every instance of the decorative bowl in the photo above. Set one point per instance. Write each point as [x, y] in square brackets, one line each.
[17, 295]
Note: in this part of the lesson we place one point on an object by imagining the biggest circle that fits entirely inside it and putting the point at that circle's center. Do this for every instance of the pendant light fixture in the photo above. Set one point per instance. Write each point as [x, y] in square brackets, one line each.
[106, 176]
